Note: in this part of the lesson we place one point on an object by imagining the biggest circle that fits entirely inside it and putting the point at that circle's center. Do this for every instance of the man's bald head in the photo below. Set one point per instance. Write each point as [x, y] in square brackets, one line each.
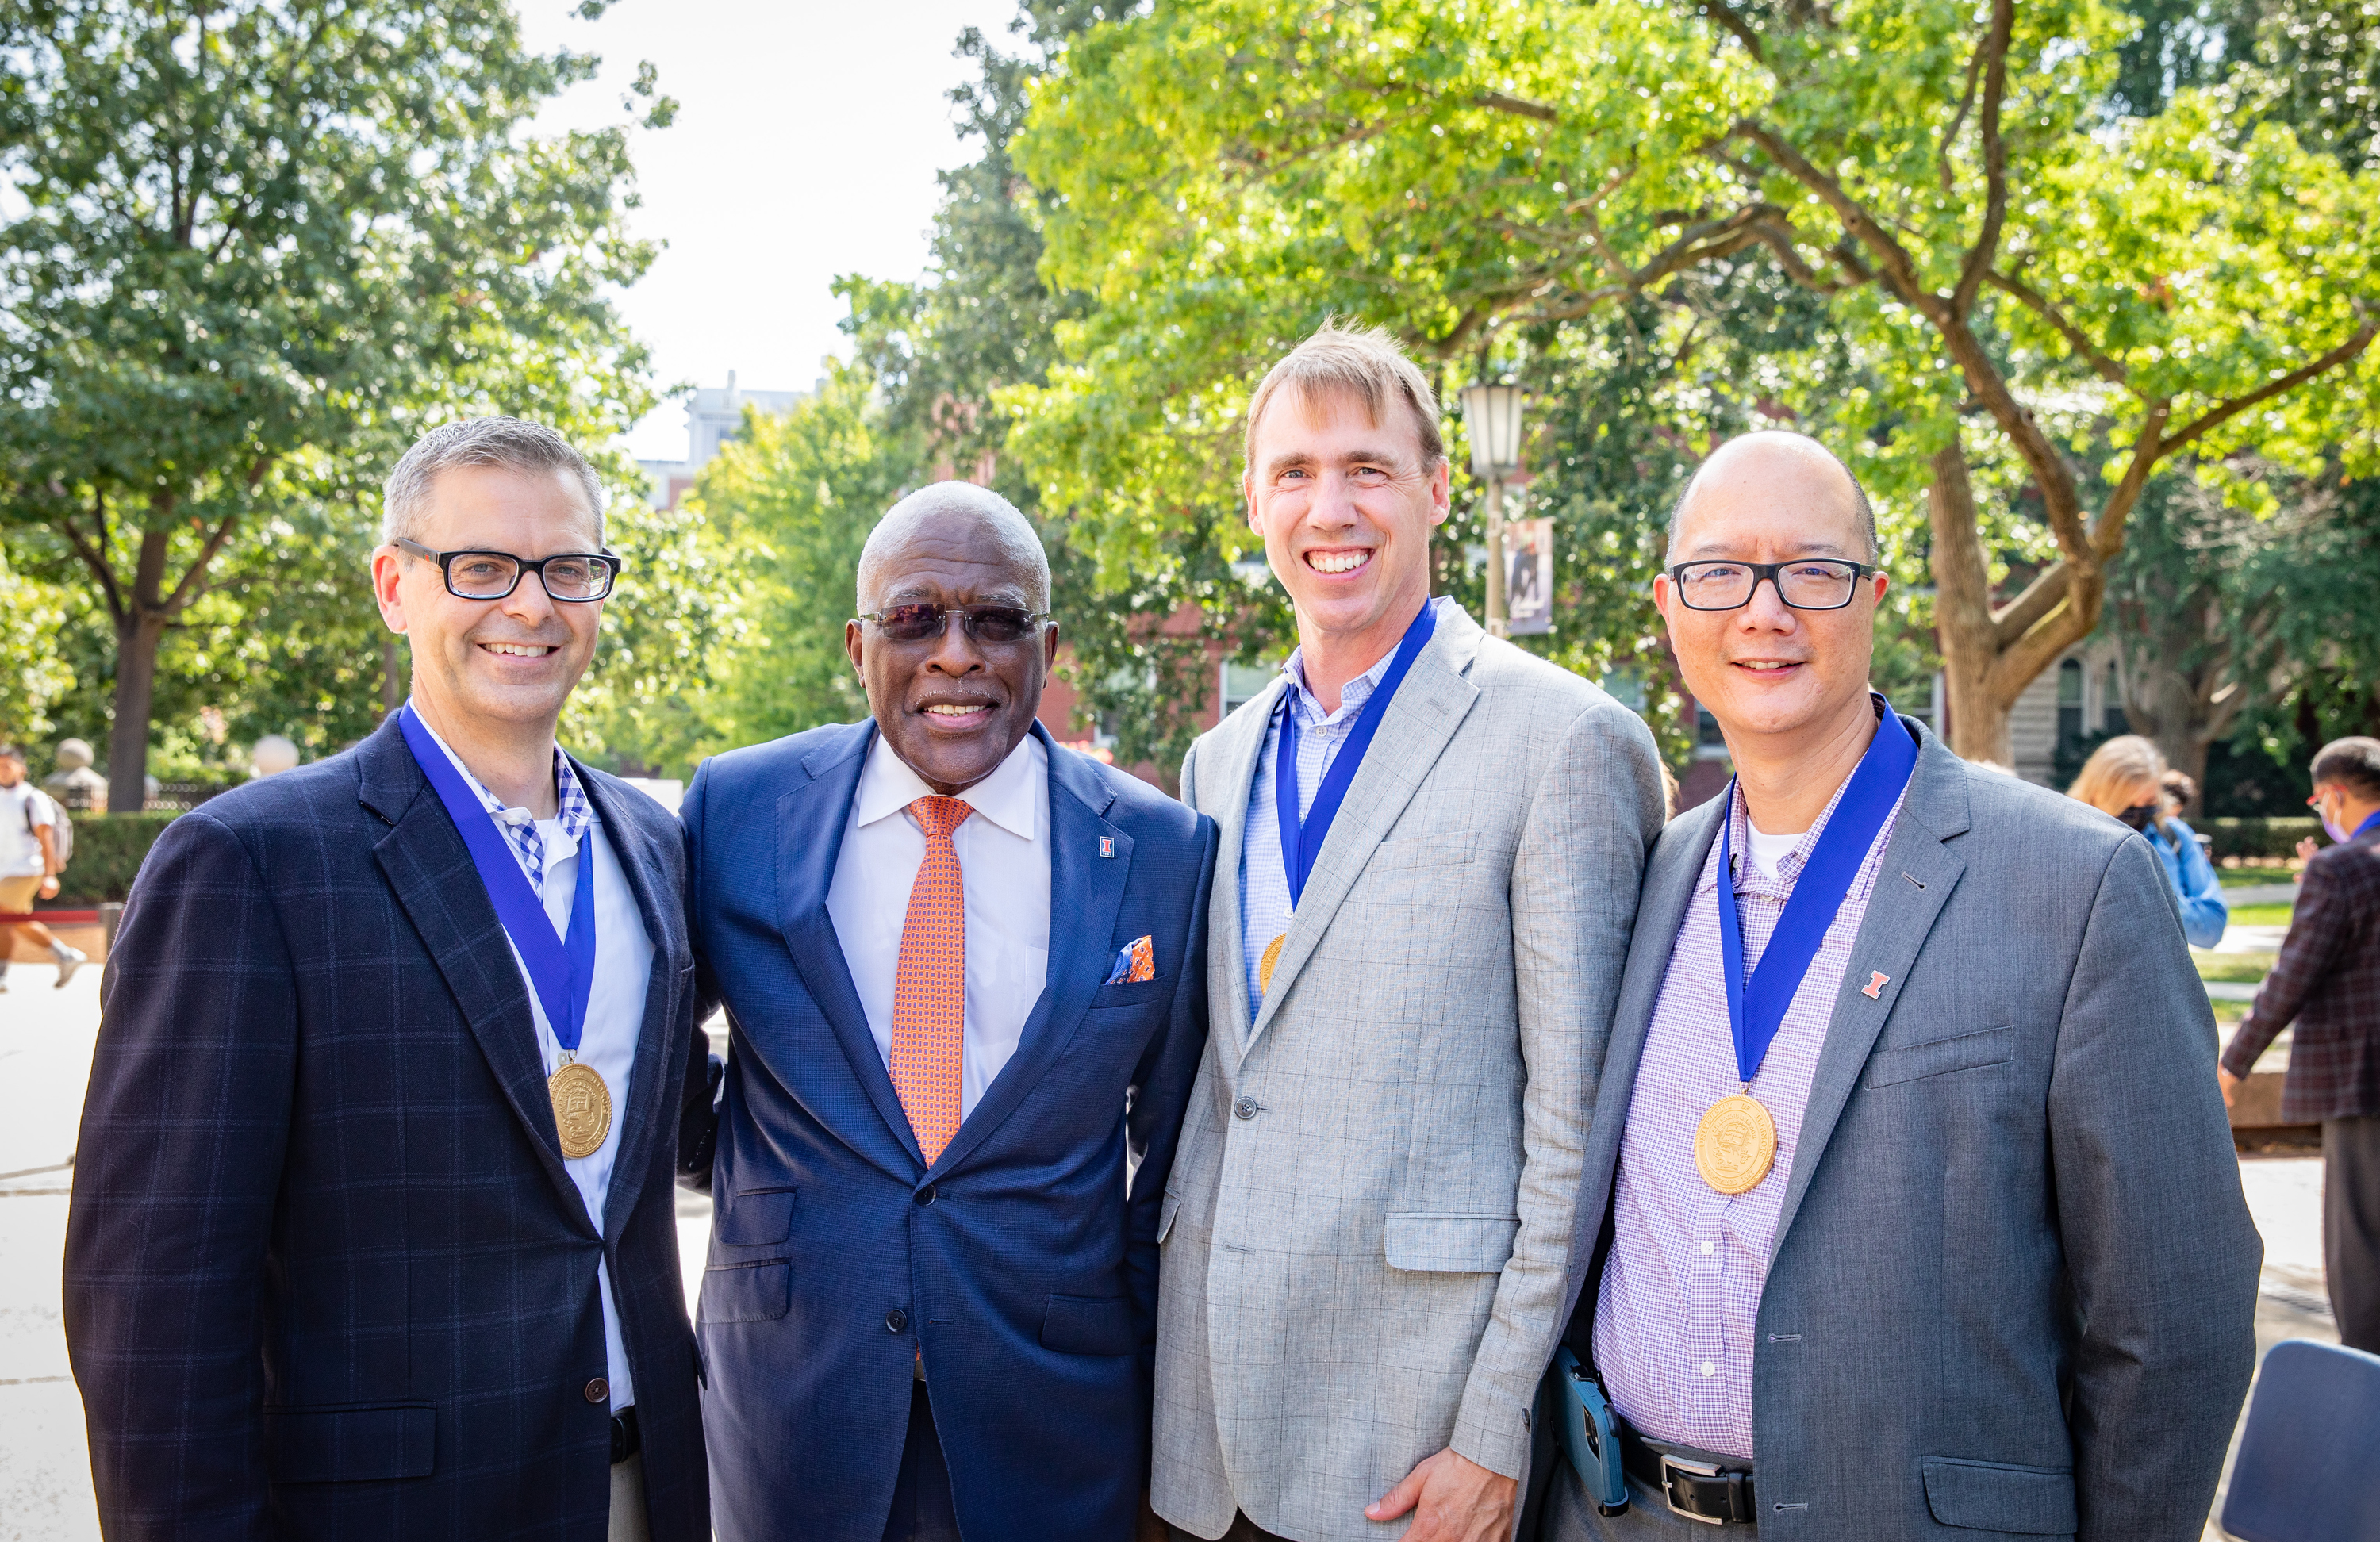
[929, 515]
[1788, 459]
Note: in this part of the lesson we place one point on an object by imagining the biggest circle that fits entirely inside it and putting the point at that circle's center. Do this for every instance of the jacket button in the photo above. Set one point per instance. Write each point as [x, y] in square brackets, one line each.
[926, 1196]
[896, 1320]
[598, 1390]
[1245, 1108]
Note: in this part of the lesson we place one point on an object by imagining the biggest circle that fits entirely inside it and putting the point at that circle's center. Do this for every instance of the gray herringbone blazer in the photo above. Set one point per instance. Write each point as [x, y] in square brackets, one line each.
[1366, 1226]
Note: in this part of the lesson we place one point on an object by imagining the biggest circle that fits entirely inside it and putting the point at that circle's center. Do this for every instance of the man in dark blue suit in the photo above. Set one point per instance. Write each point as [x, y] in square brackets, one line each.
[372, 1232]
[963, 968]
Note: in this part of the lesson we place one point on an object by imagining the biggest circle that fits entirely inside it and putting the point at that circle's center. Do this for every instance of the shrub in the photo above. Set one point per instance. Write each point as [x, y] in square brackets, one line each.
[108, 851]
[2276, 836]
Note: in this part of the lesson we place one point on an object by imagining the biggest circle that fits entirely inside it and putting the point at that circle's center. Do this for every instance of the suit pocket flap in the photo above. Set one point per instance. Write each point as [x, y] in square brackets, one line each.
[1451, 1244]
[1088, 1325]
[1993, 1495]
[756, 1217]
[748, 1293]
[1964, 1052]
[1167, 1209]
[349, 1445]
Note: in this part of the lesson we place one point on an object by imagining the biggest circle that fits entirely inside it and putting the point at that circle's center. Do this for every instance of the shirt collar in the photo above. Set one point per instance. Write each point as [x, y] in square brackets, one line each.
[1749, 878]
[1355, 693]
[572, 810]
[887, 785]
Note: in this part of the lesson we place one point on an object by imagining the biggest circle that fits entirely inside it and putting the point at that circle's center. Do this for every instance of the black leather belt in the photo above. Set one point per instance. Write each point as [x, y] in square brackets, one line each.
[1714, 1492]
[625, 1441]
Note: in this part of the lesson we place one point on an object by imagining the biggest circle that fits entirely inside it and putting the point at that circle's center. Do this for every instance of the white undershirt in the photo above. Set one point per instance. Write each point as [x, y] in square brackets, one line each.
[615, 1019]
[1768, 852]
[1003, 852]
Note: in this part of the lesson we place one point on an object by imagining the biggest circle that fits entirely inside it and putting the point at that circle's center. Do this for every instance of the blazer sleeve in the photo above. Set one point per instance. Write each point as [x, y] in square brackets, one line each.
[2159, 1246]
[1161, 1100]
[2319, 927]
[184, 1131]
[2196, 890]
[1581, 860]
[706, 1073]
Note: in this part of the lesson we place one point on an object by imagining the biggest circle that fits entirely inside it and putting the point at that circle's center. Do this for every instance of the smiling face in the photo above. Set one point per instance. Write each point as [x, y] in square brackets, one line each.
[1345, 507]
[951, 706]
[510, 661]
[1766, 670]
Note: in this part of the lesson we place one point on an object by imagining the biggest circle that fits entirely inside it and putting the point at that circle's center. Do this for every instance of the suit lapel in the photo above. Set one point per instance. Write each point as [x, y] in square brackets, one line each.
[810, 823]
[1086, 895]
[650, 1079]
[1225, 785]
[1421, 718]
[439, 887]
[1913, 878]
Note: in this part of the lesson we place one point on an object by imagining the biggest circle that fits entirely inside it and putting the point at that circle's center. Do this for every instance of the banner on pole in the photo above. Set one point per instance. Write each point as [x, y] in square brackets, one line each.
[1529, 577]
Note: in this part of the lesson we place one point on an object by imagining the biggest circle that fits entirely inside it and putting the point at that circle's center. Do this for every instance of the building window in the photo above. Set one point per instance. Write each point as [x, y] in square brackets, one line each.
[1709, 743]
[2112, 715]
[2069, 702]
[1242, 683]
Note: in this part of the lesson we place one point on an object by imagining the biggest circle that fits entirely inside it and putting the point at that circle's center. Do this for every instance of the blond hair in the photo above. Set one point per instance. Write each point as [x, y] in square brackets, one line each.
[1362, 362]
[2116, 770]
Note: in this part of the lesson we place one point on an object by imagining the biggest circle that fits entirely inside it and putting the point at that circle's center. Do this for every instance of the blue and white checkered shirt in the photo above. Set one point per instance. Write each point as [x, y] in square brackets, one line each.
[1264, 882]
[573, 813]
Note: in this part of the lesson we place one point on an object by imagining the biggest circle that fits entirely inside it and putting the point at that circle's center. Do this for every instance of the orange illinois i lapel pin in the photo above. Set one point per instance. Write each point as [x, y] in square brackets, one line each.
[1107, 845]
[1877, 980]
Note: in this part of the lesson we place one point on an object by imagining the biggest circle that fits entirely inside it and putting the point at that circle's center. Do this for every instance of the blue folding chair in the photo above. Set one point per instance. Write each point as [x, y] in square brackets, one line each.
[2309, 1466]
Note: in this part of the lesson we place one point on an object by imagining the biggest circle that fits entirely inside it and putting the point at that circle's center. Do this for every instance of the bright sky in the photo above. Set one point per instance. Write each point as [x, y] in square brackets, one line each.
[805, 144]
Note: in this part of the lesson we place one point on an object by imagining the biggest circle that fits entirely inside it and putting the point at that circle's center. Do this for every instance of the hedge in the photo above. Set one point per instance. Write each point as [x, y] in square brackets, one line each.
[2258, 837]
[107, 853]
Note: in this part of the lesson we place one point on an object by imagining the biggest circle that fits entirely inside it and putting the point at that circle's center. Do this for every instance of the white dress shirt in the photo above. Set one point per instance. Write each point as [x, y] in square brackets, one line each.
[1003, 851]
[615, 1017]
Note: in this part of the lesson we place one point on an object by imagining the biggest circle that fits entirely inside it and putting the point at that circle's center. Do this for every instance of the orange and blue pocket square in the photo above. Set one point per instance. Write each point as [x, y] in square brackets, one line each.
[1134, 962]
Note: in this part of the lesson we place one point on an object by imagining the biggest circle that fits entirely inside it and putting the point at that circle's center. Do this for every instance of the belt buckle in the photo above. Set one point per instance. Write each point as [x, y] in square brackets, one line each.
[1695, 1469]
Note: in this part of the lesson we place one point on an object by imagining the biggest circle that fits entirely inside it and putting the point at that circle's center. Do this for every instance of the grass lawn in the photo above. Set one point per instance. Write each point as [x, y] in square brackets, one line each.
[2260, 915]
[2241, 878]
[2233, 969]
[2229, 1013]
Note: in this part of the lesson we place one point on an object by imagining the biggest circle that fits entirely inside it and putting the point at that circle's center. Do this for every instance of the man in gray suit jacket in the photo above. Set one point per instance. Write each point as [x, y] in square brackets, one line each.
[1979, 1263]
[1366, 1227]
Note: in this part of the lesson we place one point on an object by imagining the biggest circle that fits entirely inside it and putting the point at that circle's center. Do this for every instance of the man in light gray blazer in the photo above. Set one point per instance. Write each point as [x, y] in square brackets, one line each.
[1366, 1224]
[1998, 1278]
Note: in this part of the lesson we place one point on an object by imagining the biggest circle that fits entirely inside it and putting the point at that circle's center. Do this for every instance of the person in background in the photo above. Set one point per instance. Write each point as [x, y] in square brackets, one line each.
[28, 863]
[2127, 777]
[2326, 980]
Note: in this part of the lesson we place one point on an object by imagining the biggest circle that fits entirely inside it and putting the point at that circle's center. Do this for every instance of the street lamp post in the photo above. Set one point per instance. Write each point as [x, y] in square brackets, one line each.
[1492, 413]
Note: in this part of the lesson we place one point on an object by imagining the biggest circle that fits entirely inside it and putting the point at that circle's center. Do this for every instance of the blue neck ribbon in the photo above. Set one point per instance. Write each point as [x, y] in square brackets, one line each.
[2370, 820]
[563, 971]
[1755, 1008]
[1301, 842]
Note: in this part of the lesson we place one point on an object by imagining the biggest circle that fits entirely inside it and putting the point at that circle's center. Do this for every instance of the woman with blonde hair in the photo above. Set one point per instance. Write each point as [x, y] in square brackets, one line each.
[2125, 777]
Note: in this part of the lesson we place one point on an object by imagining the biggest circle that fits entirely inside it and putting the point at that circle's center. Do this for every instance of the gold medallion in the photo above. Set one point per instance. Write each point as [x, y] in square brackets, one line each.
[1265, 962]
[1735, 1144]
[582, 1108]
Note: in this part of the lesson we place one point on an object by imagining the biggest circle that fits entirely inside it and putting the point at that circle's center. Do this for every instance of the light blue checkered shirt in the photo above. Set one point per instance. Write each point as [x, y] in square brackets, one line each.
[1264, 882]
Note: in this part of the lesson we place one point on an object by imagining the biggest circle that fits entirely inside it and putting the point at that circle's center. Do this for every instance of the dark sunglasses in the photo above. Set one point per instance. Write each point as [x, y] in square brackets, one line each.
[986, 623]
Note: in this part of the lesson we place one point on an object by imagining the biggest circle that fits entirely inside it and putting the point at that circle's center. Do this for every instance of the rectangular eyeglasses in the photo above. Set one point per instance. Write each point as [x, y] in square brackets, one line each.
[991, 624]
[573, 577]
[1808, 584]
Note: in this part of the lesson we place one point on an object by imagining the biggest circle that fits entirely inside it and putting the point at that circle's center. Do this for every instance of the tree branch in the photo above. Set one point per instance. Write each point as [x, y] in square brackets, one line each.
[2039, 304]
[95, 556]
[194, 578]
[1497, 101]
[1987, 240]
[2215, 417]
[1737, 27]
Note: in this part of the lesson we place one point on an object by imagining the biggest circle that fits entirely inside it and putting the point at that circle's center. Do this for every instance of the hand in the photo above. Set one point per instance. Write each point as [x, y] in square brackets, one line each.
[2228, 1083]
[49, 890]
[1452, 1498]
[1150, 1528]
[2305, 853]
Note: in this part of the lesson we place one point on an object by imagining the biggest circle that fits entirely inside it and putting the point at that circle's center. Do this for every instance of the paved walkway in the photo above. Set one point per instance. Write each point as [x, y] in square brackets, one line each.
[45, 1043]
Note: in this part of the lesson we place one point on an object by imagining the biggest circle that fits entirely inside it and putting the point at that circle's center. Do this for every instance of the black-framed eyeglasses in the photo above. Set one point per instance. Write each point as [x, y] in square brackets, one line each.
[1809, 584]
[573, 577]
[991, 624]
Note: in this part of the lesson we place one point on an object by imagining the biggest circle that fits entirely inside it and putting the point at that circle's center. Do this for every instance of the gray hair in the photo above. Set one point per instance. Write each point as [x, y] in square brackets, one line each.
[1863, 510]
[506, 442]
[1014, 532]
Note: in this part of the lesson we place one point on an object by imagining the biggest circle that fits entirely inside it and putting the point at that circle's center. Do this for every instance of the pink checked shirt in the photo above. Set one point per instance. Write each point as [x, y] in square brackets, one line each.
[1674, 1320]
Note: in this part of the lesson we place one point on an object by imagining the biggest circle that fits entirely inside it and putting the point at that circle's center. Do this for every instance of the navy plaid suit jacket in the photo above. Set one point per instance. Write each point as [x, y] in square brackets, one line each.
[325, 1273]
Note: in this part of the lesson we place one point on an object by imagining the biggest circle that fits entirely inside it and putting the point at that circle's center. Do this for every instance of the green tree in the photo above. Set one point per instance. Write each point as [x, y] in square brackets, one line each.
[2022, 276]
[262, 241]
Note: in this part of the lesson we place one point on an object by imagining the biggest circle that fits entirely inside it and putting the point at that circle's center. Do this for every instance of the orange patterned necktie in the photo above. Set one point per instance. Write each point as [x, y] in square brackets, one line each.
[929, 991]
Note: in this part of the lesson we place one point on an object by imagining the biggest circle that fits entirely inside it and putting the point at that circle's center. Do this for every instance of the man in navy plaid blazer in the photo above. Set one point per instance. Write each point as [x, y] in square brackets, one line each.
[333, 1268]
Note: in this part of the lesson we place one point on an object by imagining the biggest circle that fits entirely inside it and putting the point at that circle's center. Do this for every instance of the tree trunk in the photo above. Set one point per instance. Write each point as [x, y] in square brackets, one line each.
[392, 678]
[136, 639]
[1990, 655]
